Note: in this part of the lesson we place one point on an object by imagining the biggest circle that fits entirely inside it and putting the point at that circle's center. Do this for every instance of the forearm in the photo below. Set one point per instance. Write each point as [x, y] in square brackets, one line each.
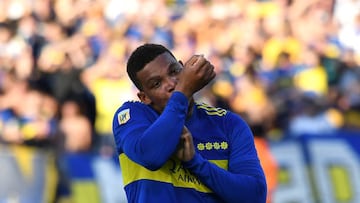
[248, 186]
[154, 144]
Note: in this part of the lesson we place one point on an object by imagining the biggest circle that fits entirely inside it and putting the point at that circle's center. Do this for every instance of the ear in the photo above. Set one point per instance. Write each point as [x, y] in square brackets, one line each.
[144, 98]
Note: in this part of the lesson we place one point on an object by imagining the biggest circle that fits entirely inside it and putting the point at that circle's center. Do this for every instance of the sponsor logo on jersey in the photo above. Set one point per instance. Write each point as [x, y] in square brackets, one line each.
[124, 116]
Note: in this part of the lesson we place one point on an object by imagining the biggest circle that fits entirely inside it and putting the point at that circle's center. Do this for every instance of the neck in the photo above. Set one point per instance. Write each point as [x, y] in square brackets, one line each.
[190, 108]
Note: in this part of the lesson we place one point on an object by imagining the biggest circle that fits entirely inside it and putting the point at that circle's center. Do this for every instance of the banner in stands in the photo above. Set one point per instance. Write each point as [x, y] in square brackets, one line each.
[318, 169]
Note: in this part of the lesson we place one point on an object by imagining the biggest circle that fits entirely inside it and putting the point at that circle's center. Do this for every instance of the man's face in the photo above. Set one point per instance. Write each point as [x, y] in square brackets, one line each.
[158, 79]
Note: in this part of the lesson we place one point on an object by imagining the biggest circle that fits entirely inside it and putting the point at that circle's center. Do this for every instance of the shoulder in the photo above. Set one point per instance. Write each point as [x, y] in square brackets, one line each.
[132, 104]
[130, 109]
[124, 110]
[211, 110]
[228, 119]
[218, 112]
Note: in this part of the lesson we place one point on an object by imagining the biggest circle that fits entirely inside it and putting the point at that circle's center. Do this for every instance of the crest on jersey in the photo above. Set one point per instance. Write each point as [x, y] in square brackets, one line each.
[124, 116]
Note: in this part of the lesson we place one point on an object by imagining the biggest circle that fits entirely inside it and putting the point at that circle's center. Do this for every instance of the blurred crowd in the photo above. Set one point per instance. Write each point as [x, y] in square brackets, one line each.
[289, 67]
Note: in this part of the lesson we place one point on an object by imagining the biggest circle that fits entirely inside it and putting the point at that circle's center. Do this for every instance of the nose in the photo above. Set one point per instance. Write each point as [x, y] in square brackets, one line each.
[171, 83]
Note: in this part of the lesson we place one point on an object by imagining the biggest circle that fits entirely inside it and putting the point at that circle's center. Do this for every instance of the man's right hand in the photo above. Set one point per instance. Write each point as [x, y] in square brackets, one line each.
[186, 149]
[196, 74]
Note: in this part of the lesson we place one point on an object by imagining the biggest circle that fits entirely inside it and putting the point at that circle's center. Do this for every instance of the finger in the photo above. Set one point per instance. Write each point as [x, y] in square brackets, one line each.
[211, 73]
[201, 60]
[206, 69]
[188, 140]
[180, 153]
[180, 148]
[192, 60]
[185, 130]
[189, 149]
[209, 68]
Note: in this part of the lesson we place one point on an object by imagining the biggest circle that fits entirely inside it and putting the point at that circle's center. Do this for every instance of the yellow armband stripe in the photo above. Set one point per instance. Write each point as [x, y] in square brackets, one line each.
[172, 172]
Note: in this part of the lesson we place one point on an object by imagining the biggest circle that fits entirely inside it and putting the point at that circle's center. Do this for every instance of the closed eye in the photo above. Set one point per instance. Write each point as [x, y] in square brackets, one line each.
[175, 69]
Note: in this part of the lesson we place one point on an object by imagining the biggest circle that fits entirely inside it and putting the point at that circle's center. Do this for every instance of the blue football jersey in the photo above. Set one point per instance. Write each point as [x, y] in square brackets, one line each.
[225, 167]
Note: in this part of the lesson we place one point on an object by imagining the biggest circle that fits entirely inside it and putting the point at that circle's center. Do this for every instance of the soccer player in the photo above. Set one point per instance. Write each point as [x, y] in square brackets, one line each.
[174, 149]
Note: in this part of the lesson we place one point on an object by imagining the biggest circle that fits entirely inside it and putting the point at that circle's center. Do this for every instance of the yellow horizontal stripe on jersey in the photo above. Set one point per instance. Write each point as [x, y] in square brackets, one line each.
[172, 172]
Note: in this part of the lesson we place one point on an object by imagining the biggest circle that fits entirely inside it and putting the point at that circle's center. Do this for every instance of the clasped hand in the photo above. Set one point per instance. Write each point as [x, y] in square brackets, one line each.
[197, 73]
[185, 150]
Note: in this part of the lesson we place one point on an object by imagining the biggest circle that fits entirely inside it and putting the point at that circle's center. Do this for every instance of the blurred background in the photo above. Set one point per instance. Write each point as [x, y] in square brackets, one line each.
[290, 68]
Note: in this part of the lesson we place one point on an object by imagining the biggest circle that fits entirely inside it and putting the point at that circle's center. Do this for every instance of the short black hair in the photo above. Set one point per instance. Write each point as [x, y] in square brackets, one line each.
[142, 56]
